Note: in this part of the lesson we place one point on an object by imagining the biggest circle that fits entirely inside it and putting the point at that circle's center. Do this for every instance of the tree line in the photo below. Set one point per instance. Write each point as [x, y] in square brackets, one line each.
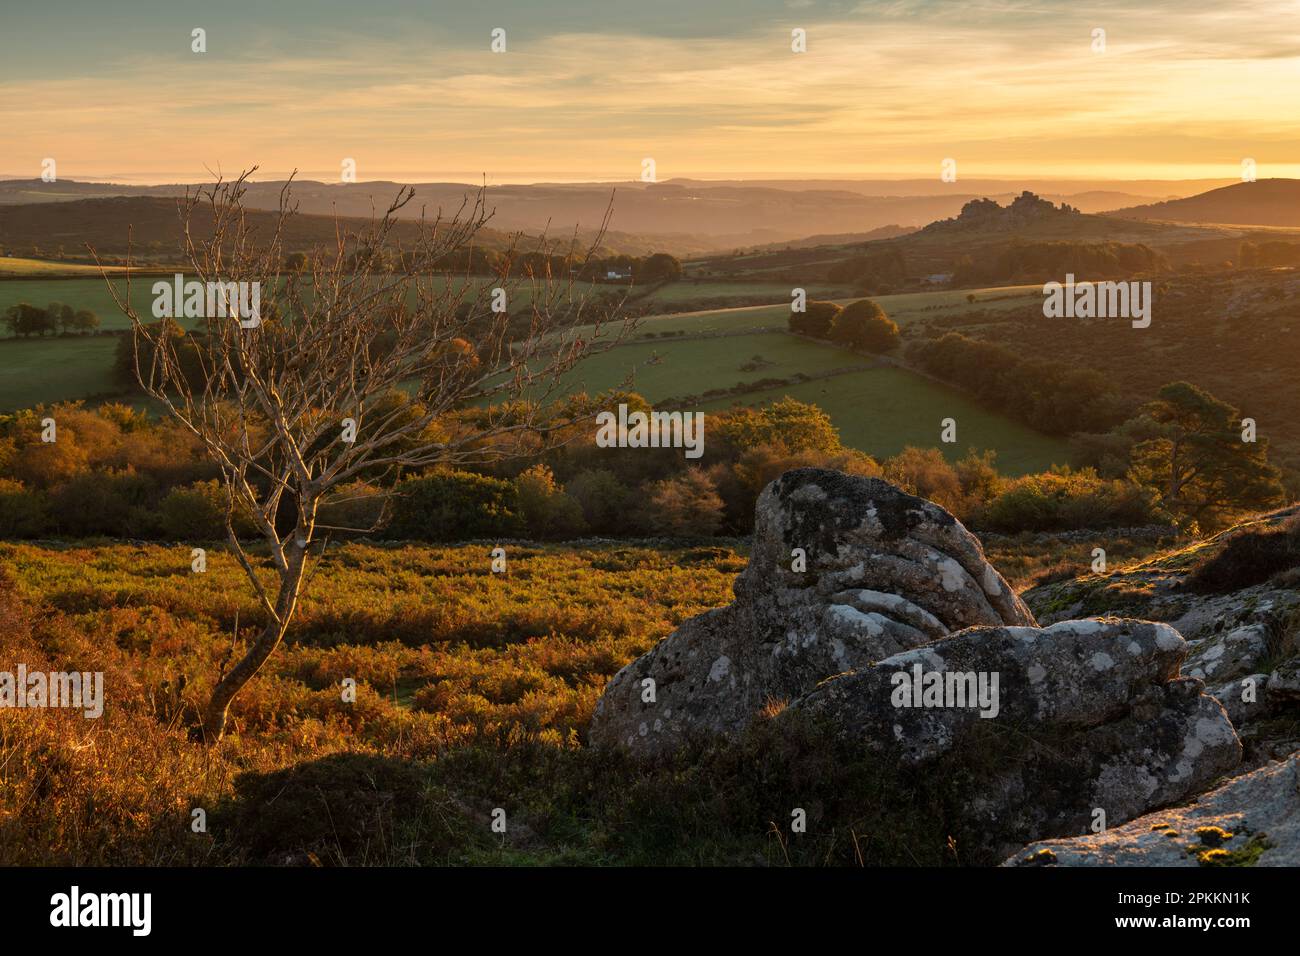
[25, 319]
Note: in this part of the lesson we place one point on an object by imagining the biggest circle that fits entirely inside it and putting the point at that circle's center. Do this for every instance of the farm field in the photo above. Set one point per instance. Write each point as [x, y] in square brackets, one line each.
[715, 320]
[668, 368]
[55, 369]
[903, 309]
[882, 410]
[689, 290]
[908, 306]
[878, 411]
[88, 292]
[92, 293]
[12, 266]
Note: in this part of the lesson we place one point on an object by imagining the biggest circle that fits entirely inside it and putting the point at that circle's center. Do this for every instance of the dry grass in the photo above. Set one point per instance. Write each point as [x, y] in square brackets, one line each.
[445, 654]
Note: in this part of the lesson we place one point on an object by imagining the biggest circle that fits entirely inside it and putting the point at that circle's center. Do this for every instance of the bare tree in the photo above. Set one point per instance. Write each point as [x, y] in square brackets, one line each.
[297, 400]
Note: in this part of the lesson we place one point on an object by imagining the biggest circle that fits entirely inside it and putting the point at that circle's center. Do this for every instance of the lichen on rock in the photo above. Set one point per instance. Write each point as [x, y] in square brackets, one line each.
[852, 583]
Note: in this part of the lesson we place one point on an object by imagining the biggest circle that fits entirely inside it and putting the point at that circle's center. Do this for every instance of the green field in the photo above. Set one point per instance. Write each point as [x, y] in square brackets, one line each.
[671, 368]
[691, 290]
[908, 306]
[23, 268]
[50, 370]
[80, 293]
[903, 308]
[883, 410]
[93, 294]
[89, 291]
[715, 320]
[879, 411]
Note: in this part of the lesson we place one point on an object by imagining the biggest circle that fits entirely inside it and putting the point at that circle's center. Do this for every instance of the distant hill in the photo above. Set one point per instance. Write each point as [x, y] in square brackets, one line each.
[686, 216]
[1268, 202]
[151, 226]
[986, 243]
[838, 239]
[154, 228]
[986, 231]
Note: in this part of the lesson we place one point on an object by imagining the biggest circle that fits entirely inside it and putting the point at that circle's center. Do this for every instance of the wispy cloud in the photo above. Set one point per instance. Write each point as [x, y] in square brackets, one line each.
[1011, 87]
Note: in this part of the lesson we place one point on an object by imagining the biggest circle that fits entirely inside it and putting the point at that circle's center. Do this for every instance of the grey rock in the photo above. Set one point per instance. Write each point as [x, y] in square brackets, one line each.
[1092, 714]
[1075, 673]
[1254, 819]
[885, 572]
[1284, 683]
[1246, 634]
[1218, 656]
[1235, 696]
[1127, 733]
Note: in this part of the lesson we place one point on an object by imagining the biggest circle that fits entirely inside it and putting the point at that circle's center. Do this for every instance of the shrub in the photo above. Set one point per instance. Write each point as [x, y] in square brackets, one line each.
[602, 497]
[455, 505]
[978, 474]
[926, 473]
[786, 424]
[687, 506]
[864, 325]
[1066, 500]
[352, 509]
[82, 440]
[816, 319]
[121, 504]
[22, 512]
[197, 512]
[1247, 558]
[547, 511]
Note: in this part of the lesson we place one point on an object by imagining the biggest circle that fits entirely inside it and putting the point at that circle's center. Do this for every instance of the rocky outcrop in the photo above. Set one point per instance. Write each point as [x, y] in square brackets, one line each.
[1101, 718]
[1253, 820]
[844, 571]
[985, 215]
[874, 615]
[1244, 643]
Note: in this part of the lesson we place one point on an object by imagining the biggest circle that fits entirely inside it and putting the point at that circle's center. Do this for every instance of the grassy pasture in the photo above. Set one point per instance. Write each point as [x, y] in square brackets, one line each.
[908, 306]
[11, 266]
[902, 308]
[36, 283]
[692, 290]
[92, 293]
[879, 411]
[88, 292]
[882, 410]
[55, 369]
[671, 368]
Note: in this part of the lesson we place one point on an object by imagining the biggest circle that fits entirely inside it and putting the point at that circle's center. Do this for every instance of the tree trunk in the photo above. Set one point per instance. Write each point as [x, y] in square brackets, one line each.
[214, 717]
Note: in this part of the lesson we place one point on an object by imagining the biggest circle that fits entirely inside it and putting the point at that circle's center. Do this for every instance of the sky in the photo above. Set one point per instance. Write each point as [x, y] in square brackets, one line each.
[706, 88]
